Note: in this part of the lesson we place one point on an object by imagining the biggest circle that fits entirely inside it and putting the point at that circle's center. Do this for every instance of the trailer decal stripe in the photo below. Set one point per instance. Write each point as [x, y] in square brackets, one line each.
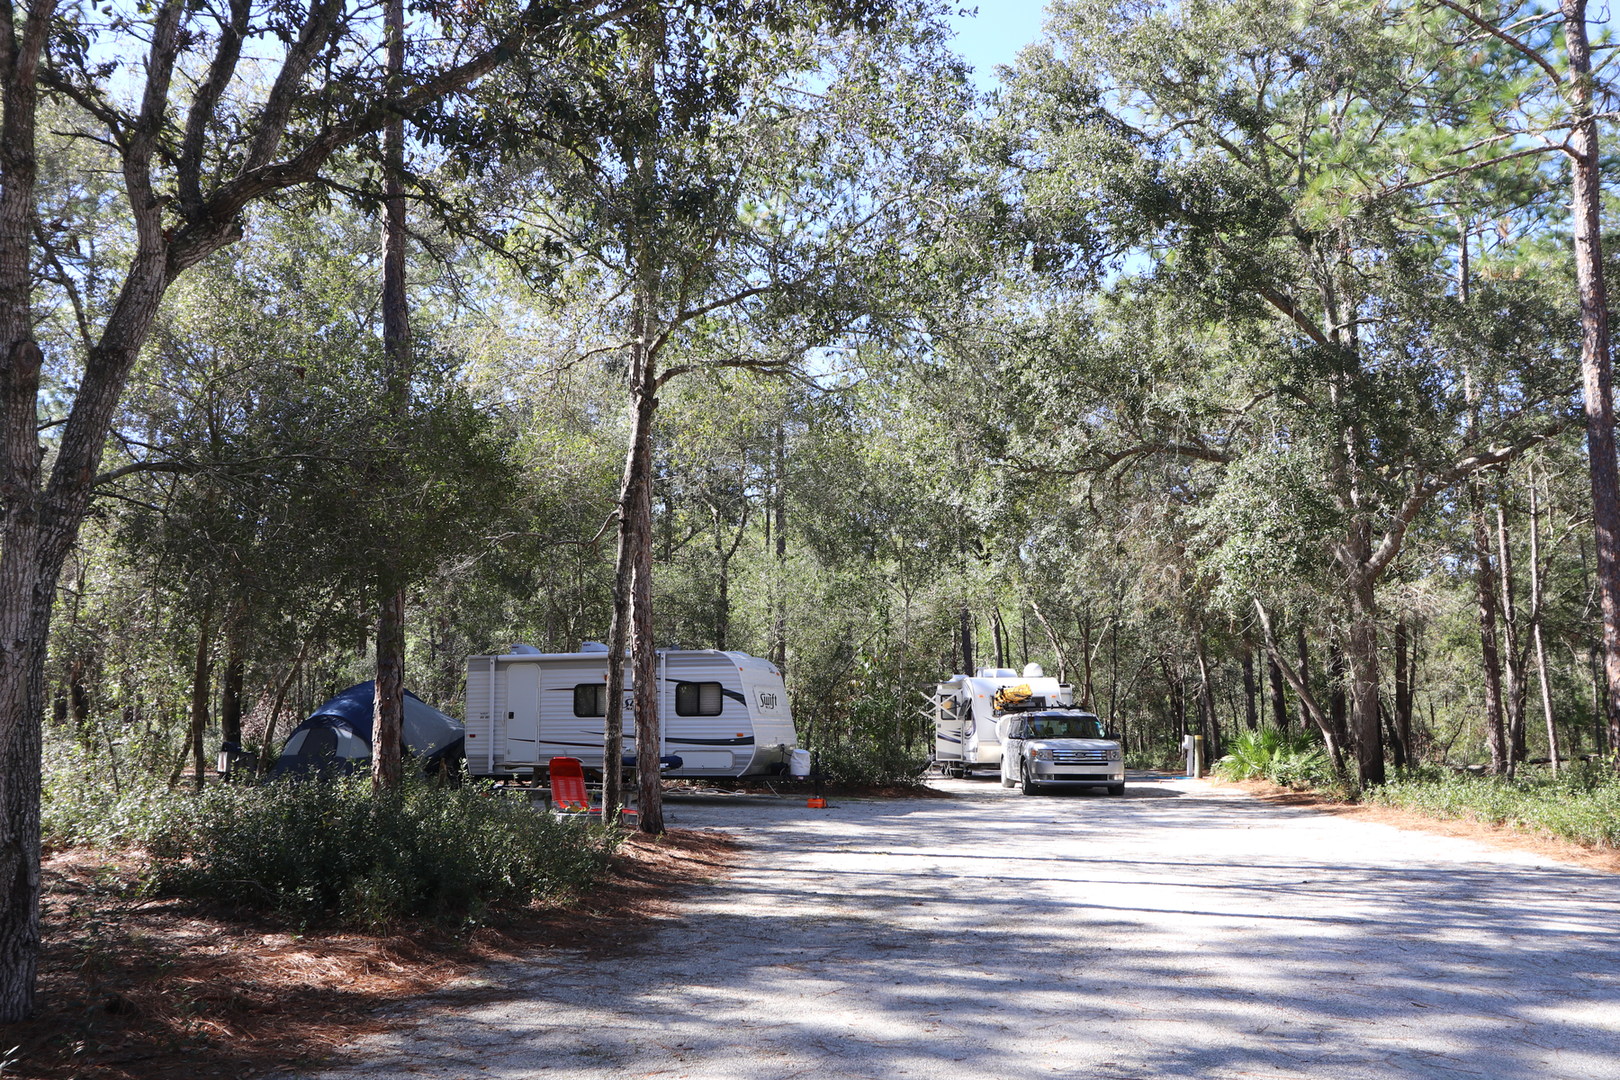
[745, 741]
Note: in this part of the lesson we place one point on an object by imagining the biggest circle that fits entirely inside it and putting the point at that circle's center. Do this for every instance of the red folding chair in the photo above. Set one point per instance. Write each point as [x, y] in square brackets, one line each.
[568, 785]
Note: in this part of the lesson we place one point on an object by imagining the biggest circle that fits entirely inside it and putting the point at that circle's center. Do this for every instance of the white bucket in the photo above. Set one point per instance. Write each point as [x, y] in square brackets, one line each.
[799, 763]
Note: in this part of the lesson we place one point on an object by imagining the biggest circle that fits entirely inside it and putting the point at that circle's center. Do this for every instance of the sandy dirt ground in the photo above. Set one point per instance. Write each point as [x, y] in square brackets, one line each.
[1181, 931]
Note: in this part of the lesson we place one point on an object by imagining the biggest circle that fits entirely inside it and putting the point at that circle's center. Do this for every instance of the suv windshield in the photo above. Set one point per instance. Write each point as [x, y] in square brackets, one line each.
[1062, 727]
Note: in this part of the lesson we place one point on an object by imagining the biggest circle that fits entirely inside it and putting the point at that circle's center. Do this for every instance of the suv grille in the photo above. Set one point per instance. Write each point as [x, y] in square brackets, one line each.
[1080, 757]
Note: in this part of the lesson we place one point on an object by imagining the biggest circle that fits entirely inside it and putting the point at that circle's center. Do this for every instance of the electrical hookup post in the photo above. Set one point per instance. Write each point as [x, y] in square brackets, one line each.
[1193, 747]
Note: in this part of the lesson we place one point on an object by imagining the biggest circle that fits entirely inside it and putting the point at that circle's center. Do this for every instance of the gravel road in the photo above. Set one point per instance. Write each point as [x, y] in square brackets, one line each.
[1177, 932]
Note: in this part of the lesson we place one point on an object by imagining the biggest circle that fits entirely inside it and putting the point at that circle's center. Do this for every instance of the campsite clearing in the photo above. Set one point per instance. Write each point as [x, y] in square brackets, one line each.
[1185, 930]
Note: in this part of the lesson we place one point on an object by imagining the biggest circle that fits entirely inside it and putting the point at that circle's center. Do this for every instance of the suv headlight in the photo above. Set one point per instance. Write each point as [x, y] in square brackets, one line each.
[1041, 753]
[1115, 754]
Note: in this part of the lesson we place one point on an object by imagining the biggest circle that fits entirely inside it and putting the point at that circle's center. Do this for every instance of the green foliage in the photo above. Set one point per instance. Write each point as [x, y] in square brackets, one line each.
[876, 761]
[1290, 758]
[871, 729]
[105, 799]
[1579, 804]
[323, 851]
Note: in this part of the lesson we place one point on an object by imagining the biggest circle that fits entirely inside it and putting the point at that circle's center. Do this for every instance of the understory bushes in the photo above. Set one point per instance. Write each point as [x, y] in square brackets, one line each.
[1286, 758]
[320, 852]
[868, 729]
[334, 850]
[102, 797]
[1581, 804]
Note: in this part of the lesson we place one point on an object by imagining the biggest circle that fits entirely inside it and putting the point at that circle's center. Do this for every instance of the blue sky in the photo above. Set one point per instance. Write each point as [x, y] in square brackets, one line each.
[999, 28]
[995, 34]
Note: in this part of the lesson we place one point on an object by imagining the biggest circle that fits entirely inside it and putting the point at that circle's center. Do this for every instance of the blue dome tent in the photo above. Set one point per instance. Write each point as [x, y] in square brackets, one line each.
[336, 737]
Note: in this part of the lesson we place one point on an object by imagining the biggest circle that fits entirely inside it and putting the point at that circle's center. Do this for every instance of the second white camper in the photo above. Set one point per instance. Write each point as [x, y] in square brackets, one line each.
[724, 714]
[966, 707]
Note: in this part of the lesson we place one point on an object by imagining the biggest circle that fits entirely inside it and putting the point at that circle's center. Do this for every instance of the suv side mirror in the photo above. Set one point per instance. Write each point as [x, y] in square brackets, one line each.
[1111, 736]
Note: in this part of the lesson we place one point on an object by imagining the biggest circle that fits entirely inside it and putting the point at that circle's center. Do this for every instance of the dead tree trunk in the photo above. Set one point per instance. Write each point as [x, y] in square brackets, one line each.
[1057, 647]
[1306, 698]
[1513, 689]
[1535, 623]
[1485, 593]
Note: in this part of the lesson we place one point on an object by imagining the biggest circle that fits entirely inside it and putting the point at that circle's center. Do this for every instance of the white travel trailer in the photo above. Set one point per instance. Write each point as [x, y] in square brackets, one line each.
[966, 707]
[721, 713]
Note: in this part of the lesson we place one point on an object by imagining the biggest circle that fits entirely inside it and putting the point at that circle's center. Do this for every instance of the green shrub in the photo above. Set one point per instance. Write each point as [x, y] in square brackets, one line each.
[99, 798]
[1287, 758]
[335, 851]
[1579, 804]
[869, 729]
[878, 763]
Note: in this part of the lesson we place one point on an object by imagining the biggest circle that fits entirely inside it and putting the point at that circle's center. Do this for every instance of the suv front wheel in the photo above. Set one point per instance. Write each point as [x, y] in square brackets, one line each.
[1030, 786]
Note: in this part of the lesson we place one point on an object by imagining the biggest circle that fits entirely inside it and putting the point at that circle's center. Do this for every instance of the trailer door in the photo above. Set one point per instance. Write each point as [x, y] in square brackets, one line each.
[522, 712]
[948, 715]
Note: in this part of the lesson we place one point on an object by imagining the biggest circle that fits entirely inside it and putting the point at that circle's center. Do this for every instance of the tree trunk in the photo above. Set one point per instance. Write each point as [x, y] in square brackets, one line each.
[1307, 700]
[1586, 192]
[618, 640]
[388, 722]
[1485, 594]
[1338, 708]
[635, 536]
[1251, 713]
[1113, 675]
[388, 695]
[643, 652]
[1513, 690]
[1279, 704]
[966, 631]
[230, 697]
[1057, 645]
[1177, 698]
[1401, 722]
[267, 756]
[1206, 696]
[779, 512]
[722, 591]
[1085, 656]
[1302, 650]
[1535, 623]
[1365, 727]
[201, 691]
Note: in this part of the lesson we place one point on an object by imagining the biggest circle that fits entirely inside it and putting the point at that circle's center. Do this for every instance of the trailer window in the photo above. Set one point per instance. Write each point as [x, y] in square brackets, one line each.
[698, 699]
[590, 699]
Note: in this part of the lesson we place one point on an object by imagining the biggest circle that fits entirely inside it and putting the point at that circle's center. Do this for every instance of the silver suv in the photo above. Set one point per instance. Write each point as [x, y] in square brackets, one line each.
[1059, 748]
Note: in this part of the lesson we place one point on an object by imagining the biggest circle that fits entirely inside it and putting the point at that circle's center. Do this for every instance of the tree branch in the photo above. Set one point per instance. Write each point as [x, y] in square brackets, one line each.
[1507, 39]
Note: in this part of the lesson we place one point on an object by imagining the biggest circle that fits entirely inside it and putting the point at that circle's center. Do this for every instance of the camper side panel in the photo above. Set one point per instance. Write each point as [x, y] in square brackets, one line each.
[568, 687]
[486, 727]
[708, 745]
[774, 734]
[732, 719]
